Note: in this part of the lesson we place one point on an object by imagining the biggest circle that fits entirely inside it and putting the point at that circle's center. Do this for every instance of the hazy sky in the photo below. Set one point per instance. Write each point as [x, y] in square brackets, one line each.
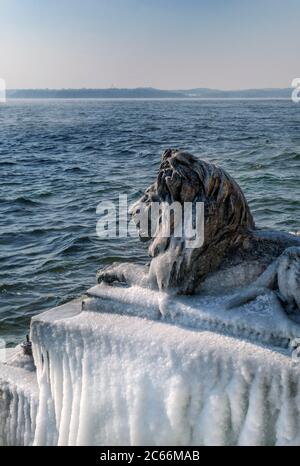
[169, 44]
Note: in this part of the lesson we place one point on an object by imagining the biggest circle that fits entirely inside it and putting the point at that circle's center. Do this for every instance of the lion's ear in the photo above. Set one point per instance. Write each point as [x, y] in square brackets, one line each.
[166, 154]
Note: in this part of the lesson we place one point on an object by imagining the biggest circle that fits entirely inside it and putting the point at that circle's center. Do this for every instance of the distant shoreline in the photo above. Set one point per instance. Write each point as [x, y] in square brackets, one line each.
[149, 93]
[124, 99]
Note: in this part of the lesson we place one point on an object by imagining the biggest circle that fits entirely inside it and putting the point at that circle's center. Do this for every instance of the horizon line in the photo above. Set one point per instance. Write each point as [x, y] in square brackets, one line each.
[147, 87]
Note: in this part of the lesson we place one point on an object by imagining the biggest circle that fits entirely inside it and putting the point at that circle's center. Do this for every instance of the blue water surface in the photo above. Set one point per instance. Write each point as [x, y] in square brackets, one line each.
[60, 158]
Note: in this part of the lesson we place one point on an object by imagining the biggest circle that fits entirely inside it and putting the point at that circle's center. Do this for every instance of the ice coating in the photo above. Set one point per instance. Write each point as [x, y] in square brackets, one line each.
[18, 402]
[131, 366]
[106, 378]
[261, 320]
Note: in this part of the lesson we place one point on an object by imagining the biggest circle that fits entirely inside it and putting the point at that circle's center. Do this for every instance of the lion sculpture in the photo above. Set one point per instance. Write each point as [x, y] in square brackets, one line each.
[233, 254]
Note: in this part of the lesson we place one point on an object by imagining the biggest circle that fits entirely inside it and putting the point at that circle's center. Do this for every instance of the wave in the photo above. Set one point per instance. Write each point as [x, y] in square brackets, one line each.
[23, 200]
[7, 287]
[7, 162]
[34, 199]
[77, 245]
[283, 156]
[75, 169]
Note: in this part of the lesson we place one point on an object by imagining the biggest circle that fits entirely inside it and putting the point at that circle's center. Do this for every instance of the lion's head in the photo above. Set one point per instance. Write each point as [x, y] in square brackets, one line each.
[227, 219]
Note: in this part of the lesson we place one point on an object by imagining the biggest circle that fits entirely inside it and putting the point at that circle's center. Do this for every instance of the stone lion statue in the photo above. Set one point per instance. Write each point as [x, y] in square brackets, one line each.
[233, 252]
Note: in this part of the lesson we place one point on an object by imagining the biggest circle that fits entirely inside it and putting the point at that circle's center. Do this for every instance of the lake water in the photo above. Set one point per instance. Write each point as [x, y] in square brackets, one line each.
[59, 159]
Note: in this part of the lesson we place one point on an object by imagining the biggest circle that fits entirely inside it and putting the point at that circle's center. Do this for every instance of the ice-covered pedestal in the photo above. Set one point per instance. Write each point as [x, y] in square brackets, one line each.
[18, 400]
[135, 367]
